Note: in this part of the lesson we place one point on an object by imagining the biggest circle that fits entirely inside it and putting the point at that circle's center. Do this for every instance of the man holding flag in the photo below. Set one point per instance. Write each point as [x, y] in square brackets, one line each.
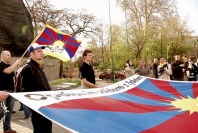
[7, 84]
[34, 79]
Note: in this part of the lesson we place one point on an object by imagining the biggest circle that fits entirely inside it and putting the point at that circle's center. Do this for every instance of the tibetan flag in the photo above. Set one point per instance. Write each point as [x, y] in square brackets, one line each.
[135, 105]
[58, 44]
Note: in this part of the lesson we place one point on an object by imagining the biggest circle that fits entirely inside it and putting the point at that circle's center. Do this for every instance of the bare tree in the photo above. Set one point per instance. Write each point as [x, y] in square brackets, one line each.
[78, 22]
[43, 13]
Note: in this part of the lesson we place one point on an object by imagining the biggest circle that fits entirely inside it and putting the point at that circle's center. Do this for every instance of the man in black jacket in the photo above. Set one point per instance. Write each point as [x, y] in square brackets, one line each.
[34, 79]
[177, 67]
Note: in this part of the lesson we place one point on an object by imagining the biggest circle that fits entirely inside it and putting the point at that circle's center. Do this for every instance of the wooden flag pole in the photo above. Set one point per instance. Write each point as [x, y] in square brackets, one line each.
[25, 51]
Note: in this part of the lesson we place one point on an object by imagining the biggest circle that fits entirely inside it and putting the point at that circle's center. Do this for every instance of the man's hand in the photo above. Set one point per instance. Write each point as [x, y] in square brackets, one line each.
[18, 62]
[3, 95]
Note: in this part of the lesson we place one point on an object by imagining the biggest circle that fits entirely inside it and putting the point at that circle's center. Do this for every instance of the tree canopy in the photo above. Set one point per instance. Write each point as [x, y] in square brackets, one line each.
[151, 28]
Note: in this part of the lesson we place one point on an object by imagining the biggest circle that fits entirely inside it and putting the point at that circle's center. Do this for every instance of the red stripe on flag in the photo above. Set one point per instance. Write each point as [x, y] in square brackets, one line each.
[141, 93]
[195, 89]
[71, 48]
[65, 37]
[46, 36]
[165, 85]
[183, 123]
[54, 34]
[108, 104]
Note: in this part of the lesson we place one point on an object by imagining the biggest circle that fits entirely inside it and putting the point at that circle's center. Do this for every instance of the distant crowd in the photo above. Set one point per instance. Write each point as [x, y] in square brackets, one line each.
[180, 70]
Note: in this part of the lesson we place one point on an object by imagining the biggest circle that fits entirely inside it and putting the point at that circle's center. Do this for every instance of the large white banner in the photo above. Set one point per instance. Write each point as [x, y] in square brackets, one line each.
[136, 104]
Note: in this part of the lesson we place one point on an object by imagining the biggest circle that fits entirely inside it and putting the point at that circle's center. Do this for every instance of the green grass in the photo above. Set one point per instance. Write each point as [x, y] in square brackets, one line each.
[66, 80]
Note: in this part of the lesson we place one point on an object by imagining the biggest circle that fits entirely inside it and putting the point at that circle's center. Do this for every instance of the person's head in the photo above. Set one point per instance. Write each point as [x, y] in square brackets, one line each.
[185, 58]
[36, 51]
[177, 57]
[130, 62]
[5, 56]
[162, 60]
[155, 60]
[142, 63]
[87, 55]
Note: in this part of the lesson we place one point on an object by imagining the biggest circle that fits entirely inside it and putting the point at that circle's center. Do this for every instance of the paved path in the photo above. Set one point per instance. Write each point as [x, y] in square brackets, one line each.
[22, 125]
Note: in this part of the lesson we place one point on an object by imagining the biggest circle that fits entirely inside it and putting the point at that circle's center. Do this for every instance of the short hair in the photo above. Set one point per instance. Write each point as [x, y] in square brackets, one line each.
[155, 60]
[85, 52]
[160, 57]
[2, 54]
[141, 61]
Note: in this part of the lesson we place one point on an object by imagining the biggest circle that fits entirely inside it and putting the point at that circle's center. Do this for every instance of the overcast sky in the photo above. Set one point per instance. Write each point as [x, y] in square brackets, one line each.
[188, 9]
[100, 8]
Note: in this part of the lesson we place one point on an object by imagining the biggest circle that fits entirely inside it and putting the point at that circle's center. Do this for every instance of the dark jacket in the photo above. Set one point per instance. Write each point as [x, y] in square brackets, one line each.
[155, 72]
[177, 71]
[34, 78]
[192, 73]
[6, 80]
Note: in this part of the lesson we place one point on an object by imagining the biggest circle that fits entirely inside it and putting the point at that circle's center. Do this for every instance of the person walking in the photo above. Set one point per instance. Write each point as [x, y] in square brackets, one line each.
[7, 84]
[34, 79]
[129, 70]
[86, 71]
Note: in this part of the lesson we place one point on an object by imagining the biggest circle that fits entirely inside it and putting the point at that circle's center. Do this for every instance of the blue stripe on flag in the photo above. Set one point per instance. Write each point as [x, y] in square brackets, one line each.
[148, 86]
[71, 41]
[137, 99]
[44, 40]
[89, 121]
[48, 31]
[183, 88]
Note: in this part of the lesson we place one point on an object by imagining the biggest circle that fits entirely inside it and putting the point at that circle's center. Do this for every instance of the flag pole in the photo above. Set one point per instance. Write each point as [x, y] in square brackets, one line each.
[25, 51]
[33, 41]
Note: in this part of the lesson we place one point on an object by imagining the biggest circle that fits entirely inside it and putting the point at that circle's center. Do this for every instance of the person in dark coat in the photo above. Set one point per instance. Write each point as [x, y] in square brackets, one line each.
[34, 79]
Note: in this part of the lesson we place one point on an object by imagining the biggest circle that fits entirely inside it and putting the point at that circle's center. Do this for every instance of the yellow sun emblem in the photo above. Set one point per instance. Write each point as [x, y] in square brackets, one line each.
[186, 104]
[59, 43]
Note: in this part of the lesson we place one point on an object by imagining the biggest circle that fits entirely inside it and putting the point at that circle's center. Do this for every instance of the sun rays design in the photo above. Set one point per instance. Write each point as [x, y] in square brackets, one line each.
[53, 37]
[186, 104]
[59, 43]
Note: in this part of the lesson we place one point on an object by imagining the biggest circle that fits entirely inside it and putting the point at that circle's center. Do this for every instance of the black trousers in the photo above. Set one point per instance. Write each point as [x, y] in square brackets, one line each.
[40, 123]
